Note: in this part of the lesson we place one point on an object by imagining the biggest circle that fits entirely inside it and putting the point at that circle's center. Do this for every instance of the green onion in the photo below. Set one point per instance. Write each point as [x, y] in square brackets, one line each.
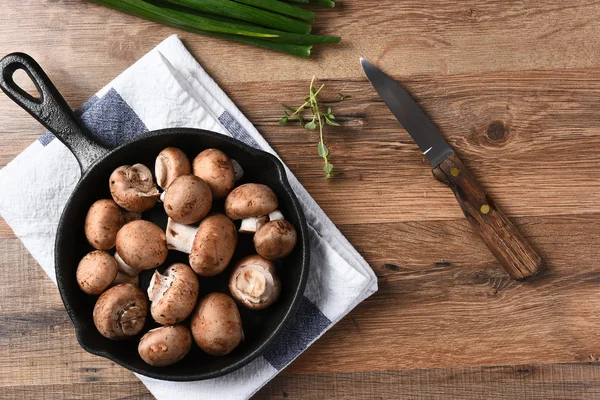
[174, 18]
[298, 1]
[228, 8]
[191, 23]
[293, 49]
[221, 21]
[325, 3]
[281, 8]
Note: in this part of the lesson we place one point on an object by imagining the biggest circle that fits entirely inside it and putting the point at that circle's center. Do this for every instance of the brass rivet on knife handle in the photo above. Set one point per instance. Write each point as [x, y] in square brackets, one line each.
[495, 229]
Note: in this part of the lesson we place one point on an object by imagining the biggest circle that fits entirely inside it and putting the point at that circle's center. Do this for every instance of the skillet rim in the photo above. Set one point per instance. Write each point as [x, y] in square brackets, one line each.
[297, 296]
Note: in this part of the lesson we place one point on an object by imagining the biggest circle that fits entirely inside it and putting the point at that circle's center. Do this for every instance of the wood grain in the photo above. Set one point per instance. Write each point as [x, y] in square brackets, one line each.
[514, 88]
[525, 382]
[450, 304]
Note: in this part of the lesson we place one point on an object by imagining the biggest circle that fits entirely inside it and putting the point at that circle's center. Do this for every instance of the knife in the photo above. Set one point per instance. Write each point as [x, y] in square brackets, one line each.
[495, 229]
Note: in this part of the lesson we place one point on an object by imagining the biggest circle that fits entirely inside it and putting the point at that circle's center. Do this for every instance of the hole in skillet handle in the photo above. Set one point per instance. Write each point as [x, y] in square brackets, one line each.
[50, 108]
[18, 80]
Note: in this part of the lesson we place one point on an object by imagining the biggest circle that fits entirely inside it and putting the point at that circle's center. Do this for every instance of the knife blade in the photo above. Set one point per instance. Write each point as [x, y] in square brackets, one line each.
[411, 116]
[502, 238]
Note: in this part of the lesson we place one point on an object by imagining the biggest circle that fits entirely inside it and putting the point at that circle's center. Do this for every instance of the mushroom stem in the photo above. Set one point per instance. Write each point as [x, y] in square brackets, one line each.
[275, 216]
[124, 268]
[180, 237]
[252, 224]
[131, 319]
[255, 284]
[238, 171]
[158, 285]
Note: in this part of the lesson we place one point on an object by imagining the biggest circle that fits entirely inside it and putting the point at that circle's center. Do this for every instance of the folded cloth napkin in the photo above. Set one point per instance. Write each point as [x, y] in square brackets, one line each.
[168, 88]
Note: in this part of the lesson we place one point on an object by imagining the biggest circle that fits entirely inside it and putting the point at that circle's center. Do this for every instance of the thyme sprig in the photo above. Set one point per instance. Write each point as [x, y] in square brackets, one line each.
[316, 117]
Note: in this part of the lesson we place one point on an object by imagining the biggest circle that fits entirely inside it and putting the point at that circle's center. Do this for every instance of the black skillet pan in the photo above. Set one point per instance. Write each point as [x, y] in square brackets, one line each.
[260, 327]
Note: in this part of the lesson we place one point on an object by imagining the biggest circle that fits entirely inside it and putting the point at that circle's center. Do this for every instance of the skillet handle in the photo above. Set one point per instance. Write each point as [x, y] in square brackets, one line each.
[50, 109]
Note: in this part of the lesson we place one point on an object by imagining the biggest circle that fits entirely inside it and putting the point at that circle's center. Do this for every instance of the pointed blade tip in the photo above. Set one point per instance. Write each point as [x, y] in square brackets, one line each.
[365, 64]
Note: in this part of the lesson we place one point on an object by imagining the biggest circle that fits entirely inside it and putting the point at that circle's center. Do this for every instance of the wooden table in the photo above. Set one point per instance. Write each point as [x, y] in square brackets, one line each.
[514, 86]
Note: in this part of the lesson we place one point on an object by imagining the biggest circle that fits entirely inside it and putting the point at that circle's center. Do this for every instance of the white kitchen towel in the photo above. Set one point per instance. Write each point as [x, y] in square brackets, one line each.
[168, 88]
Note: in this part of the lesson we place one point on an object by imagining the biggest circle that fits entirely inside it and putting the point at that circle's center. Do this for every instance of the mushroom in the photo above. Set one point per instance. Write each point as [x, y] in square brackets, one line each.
[213, 246]
[170, 163]
[216, 324]
[142, 245]
[121, 311]
[132, 188]
[166, 345]
[173, 294]
[103, 221]
[210, 246]
[187, 199]
[250, 200]
[96, 271]
[217, 170]
[254, 282]
[275, 239]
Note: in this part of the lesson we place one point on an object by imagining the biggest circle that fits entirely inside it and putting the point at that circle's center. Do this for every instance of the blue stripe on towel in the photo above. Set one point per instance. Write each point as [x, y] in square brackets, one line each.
[306, 326]
[110, 120]
[237, 130]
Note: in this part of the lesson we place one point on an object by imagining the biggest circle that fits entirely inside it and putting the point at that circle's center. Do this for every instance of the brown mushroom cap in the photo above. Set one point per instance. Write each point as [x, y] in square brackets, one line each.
[142, 245]
[171, 163]
[213, 246]
[103, 221]
[275, 239]
[188, 199]
[217, 170]
[121, 311]
[132, 188]
[254, 282]
[216, 324]
[250, 200]
[166, 345]
[173, 294]
[96, 271]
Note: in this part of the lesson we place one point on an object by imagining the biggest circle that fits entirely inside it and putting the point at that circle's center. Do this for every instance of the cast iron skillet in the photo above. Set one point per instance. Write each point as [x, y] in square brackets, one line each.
[97, 163]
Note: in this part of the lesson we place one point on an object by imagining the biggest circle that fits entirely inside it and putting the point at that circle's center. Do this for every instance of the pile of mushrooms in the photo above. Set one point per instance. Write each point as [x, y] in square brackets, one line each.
[124, 245]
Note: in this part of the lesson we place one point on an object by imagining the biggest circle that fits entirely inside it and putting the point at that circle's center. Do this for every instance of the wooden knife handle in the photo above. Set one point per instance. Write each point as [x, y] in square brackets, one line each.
[498, 233]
